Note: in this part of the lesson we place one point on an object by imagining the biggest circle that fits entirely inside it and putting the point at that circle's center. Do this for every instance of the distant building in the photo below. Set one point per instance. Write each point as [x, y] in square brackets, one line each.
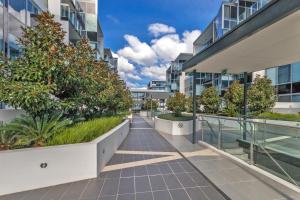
[110, 60]
[157, 85]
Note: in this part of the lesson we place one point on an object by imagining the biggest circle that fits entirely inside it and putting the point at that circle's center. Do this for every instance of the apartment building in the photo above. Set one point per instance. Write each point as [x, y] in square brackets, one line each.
[157, 85]
[285, 78]
[110, 60]
[174, 75]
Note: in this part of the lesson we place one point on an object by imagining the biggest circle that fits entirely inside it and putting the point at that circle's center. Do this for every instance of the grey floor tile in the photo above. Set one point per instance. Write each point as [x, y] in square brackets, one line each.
[126, 185]
[113, 174]
[56, 192]
[164, 168]
[93, 189]
[157, 183]
[142, 184]
[16, 196]
[162, 195]
[171, 181]
[126, 197]
[186, 180]
[187, 167]
[212, 193]
[111, 197]
[153, 170]
[196, 194]
[127, 172]
[179, 194]
[110, 187]
[199, 179]
[140, 171]
[144, 196]
[176, 168]
[75, 190]
[36, 194]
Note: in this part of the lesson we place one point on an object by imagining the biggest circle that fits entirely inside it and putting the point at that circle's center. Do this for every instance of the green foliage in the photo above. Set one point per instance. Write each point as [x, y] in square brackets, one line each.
[85, 131]
[51, 76]
[210, 100]
[177, 103]
[173, 117]
[234, 99]
[261, 96]
[280, 116]
[148, 103]
[8, 139]
[36, 131]
[189, 104]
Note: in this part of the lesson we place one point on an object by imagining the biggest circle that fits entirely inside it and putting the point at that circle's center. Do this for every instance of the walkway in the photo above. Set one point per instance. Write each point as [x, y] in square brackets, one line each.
[145, 167]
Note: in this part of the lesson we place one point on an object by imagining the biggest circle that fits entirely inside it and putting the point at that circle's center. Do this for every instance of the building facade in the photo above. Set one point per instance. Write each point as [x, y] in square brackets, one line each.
[110, 60]
[174, 72]
[157, 85]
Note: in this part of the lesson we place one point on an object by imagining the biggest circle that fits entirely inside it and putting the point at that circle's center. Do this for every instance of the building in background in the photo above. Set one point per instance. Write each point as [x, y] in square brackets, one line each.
[110, 60]
[157, 85]
[140, 95]
[174, 74]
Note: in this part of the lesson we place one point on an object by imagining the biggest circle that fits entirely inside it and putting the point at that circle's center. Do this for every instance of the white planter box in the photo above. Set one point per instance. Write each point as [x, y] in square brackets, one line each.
[20, 170]
[175, 127]
[145, 113]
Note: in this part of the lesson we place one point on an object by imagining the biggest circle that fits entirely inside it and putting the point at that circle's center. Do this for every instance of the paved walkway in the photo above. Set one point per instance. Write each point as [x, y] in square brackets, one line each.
[145, 167]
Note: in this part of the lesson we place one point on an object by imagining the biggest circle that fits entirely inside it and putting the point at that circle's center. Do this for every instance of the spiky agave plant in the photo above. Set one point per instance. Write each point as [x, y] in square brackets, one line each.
[36, 131]
[8, 139]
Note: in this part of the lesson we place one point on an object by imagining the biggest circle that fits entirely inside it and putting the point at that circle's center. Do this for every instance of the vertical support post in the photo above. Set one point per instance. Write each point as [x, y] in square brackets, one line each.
[252, 144]
[151, 105]
[194, 107]
[245, 105]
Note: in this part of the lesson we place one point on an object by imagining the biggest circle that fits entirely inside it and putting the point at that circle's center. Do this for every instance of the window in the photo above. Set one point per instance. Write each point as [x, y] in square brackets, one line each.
[296, 98]
[284, 74]
[284, 98]
[284, 89]
[64, 12]
[226, 12]
[296, 72]
[16, 8]
[272, 75]
[296, 87]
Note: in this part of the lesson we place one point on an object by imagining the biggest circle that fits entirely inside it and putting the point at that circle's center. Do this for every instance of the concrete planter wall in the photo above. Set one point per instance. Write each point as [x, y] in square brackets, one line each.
[175, 127]
[144, 113]
[6, 115]
[33, 168]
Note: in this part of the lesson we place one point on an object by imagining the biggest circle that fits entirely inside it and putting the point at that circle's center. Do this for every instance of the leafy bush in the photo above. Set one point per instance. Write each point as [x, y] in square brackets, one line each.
[8, 139]
[35, 131]
[280, 116]
[173, 117]
[85, 131]
[210, 100]
[261, 96]
[189, 104]
[177, 103]
[147, 105]
[234, 99]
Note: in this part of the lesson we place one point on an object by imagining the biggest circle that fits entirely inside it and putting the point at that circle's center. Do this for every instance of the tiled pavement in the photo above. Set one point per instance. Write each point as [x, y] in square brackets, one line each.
[145, 167]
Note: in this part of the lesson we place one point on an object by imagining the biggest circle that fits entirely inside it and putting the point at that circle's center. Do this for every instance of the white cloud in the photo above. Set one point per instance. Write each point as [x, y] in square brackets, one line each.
[137, 51]
[158, 29]
[134, 77]
[170, 46]
[155, 72]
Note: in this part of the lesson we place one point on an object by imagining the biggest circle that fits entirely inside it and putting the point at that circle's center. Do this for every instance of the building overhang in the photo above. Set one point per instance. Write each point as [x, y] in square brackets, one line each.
[269, 38]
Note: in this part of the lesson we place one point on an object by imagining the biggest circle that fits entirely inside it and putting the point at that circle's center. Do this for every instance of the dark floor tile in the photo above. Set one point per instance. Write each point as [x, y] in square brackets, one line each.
[187, 167]
[16, 196]
[153, 170]
[196, 193]
[164, 168]
[110, 187]
[162, 195]
[171, 181]
[212, 193]
[126, 185]
[157, 183]
[144, 196]
[36, 194]
[142, 184]
[176, 168]
[56, 192]
[140, 171]
[112, 197]
[127, 172]
[75, 190]
[113, 174]
[186, 180]
[93, 189]
[179, 194]
[199, 179]
[126, 197]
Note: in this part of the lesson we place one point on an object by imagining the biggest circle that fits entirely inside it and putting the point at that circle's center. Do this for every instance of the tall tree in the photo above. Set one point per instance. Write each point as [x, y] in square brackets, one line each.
[234, 99]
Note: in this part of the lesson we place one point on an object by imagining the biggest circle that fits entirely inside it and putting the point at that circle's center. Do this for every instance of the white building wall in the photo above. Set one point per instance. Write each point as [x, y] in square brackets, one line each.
[182, 83]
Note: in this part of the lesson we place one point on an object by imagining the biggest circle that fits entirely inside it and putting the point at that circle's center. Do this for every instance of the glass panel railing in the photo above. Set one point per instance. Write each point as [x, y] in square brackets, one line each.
[272, 146]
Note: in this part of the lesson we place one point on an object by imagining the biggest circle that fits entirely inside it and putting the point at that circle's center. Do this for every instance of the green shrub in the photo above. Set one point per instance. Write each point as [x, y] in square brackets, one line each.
[147, 105]
[86, 131]
[210, 100]
[234, 99]
[280, 116]
[177, 103]
[173, 117]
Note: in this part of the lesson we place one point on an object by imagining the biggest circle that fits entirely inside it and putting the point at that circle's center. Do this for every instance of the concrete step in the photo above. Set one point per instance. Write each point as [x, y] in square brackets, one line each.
[235, 151]
[244, 157]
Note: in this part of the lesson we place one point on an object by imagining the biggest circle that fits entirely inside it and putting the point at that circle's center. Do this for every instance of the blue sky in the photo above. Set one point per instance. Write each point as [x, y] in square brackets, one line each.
[147, 34]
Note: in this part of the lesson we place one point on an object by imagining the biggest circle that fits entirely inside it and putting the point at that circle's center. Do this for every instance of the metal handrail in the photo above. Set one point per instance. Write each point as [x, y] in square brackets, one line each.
[212, 130]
